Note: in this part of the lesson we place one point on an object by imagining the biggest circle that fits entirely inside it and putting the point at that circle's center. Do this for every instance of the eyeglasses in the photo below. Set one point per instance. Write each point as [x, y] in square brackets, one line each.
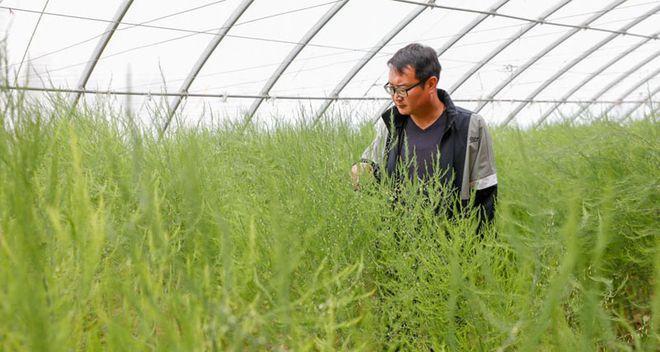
[400, 91]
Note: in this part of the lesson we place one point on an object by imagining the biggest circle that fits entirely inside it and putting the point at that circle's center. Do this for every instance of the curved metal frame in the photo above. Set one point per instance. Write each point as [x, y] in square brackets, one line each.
[210, 48]
[464, 31]
[504, 45]
[103, 42]
[367, 57]
[546, 50]
[34, 32]
[630, 91]
[591, 76]
[469, 27]
[520, 18]
[577, 60]
[637, 105]
[615, 82]
[293, 54]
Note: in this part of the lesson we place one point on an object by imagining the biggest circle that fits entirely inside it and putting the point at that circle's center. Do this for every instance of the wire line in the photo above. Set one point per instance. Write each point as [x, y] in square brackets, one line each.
[293, 97]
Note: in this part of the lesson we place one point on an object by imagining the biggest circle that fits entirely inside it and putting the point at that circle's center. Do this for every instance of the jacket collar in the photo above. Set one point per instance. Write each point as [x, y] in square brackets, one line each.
[400, 119]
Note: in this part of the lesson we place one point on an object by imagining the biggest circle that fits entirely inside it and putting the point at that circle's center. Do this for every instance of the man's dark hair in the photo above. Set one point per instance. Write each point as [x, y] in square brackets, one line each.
[422, 58]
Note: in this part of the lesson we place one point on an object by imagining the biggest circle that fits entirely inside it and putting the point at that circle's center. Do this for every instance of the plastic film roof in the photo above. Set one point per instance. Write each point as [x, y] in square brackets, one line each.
[513, 61]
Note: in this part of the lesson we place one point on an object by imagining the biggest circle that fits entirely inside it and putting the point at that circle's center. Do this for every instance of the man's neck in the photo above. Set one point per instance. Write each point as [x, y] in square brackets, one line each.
[427, 117]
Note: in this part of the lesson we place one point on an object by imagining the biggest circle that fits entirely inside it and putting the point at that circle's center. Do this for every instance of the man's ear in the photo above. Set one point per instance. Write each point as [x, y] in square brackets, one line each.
[431, 83]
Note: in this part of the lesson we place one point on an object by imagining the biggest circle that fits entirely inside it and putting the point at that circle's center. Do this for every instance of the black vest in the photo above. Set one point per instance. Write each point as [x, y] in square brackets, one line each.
[453, 142]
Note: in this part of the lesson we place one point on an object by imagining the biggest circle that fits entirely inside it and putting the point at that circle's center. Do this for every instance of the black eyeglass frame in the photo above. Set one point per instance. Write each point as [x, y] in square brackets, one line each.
[400, 91]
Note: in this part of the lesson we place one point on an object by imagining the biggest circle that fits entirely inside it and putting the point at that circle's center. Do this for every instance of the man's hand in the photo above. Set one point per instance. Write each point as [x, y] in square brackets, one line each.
[360, 170]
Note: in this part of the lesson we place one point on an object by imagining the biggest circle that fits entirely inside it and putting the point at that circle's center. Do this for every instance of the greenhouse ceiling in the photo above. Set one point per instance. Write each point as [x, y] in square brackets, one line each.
[513, 61]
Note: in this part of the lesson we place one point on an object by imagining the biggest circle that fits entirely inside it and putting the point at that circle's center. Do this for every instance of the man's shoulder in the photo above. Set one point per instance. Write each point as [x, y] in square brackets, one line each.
[463, 111]
[462, 117]
[468, 119]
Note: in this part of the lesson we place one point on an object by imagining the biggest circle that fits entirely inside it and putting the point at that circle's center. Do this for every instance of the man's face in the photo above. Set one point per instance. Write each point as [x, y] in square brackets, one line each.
[416, 97]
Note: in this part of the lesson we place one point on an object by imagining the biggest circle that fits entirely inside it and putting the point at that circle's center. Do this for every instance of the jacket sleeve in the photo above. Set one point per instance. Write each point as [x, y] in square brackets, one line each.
[482, 172]
[374, 154]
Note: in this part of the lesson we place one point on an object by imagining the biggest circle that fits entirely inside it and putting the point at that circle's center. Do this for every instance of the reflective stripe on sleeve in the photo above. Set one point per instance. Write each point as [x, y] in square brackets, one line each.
[485, 182]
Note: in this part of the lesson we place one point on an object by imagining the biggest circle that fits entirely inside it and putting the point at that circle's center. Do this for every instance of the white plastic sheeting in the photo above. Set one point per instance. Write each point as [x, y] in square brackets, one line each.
[157, 43]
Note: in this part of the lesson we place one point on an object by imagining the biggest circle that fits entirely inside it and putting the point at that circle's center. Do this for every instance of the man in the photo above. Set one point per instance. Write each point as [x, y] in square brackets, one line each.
[425, 131]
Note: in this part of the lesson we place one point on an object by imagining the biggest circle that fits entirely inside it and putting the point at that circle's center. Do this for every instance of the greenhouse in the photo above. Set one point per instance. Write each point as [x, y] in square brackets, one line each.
[220, 175]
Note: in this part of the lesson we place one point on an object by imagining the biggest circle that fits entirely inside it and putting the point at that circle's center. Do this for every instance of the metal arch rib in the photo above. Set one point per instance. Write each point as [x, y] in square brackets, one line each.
[368, 56]
[463, 32]
[577, 60]
[591, 76]
[210, 48]
[505, 44]
[637, 105]
[520, 18]
[546, 50]
[614, 83]
[27, 48]
[469, 27]
[293, 54]
[630, 91]
[103, 42]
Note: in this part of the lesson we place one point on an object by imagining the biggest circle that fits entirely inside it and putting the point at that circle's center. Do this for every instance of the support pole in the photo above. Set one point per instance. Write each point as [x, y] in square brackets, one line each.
[463, 32]
[505, 45]
[591, 76]
[560, 72]
[613, 83]
[630, 91]
[210, 48]
[293, 54]
[627, 114]
[367, 57]
[546, 50]
[100, 47]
